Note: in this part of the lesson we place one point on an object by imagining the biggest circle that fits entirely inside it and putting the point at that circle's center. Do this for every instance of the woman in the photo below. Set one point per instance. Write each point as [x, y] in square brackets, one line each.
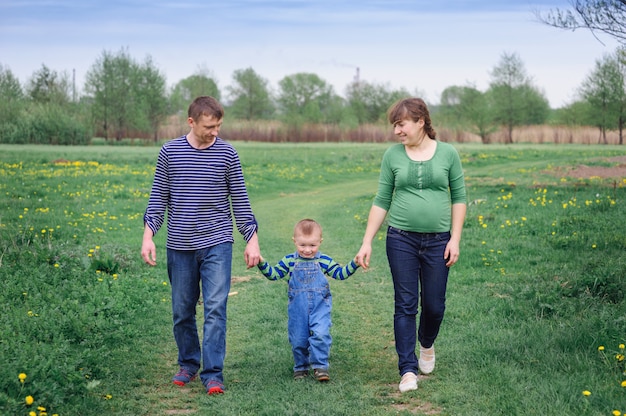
[421, 190]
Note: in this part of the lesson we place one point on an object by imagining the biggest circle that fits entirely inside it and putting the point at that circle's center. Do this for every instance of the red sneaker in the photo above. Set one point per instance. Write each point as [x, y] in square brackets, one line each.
[214, 387]
[183, 377]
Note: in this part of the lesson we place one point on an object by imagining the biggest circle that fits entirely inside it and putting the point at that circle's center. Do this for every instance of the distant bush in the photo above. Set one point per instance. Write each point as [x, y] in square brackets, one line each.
[46, 124]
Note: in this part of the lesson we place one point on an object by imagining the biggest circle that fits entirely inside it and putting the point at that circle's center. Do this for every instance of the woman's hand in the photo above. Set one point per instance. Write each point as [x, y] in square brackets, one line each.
[363, 256]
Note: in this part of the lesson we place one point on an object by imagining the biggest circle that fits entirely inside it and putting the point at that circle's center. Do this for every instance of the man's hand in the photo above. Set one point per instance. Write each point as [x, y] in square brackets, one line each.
[252, 253]
[148, 249]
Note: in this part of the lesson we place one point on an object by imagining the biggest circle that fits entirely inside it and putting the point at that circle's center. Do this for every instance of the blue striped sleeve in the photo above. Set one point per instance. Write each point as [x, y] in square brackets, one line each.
[335, 270]
[282, 269]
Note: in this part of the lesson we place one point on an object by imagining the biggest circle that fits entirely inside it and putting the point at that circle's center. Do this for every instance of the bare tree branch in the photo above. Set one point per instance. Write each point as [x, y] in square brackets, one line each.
[606, 16]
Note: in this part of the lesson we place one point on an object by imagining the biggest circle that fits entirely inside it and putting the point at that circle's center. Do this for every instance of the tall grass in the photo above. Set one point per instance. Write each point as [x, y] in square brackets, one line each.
[539, 288]
[274, 131]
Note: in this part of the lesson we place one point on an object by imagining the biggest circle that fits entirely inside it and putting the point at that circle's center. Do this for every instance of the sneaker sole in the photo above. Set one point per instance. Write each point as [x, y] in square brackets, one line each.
[215, 390]
[183, 383]
[404, 389]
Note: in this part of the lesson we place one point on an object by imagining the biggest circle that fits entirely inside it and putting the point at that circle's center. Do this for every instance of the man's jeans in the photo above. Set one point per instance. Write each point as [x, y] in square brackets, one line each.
[416, 262]
[210, 269]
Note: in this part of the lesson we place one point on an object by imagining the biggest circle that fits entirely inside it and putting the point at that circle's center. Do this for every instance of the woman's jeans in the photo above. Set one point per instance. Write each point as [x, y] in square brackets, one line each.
[417, 263]
[309, 309]
[209, 268]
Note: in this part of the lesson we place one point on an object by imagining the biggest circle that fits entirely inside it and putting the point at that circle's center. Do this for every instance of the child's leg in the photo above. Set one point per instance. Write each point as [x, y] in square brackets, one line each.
[320, 323]
[298, 328]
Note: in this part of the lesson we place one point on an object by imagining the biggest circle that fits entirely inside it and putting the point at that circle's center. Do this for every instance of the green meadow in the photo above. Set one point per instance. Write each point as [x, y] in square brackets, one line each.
[536, 310]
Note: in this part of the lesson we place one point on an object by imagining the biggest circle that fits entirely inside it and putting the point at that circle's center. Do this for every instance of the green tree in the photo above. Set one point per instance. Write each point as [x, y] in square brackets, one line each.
[250, 96]
[607, 16]
[151, 95]
[515, 101]
[49, 86]
[603, 89]
[109, 83]
[305, 97]
[369, 102]
[467, 108]
[187, 89]
[11, 96]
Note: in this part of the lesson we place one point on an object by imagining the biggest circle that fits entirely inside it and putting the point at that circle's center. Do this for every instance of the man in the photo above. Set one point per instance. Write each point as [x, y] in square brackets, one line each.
[199, 182]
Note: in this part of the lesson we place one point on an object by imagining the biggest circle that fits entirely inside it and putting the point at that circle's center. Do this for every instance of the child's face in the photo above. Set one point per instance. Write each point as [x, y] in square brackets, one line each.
[307, 245]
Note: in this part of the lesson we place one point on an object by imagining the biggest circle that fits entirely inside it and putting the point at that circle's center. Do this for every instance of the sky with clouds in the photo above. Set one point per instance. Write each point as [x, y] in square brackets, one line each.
[420, 45]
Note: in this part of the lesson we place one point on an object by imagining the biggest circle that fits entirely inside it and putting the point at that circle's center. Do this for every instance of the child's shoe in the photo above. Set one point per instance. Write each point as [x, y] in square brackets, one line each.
[321, 374]
[300, 374]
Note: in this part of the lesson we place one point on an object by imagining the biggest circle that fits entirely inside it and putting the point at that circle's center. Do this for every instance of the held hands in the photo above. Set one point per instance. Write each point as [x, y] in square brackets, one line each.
[362, 258]
[252, 254]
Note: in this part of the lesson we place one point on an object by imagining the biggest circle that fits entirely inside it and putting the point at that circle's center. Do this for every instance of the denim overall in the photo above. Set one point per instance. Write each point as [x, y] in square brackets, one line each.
[310, 303]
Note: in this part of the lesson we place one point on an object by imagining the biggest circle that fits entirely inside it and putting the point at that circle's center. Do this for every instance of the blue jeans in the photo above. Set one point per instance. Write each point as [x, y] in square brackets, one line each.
[209, 268]
[310, 304]
[416, 262]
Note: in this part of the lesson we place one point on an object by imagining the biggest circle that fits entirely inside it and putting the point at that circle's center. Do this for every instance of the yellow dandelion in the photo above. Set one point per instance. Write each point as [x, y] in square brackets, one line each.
[593, 246]
[621, 346]
[619, 357]
[586, 393]
[22, 377]
[623, 383]
[31, 413]
[601, 348]
[29, 400]
[617, 413]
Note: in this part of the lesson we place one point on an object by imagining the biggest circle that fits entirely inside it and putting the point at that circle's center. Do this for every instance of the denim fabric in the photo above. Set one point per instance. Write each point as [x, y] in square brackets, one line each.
[209, 268]
[310, 304]
[420, 275]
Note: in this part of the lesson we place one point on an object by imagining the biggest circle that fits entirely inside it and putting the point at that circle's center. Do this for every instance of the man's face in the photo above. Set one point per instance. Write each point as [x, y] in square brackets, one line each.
[206, 129]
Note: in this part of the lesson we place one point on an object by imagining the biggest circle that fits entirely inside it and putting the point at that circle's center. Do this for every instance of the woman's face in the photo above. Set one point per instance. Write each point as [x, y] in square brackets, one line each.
[409, 131]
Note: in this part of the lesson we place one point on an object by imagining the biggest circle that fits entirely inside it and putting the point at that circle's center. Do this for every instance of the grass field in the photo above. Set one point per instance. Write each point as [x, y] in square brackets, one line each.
[536, 312]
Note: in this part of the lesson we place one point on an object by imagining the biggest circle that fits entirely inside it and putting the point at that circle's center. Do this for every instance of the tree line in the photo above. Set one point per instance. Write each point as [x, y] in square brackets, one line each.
[126, 98]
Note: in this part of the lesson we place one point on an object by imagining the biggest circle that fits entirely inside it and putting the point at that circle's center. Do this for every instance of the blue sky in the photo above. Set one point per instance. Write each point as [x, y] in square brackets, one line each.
[423, 46]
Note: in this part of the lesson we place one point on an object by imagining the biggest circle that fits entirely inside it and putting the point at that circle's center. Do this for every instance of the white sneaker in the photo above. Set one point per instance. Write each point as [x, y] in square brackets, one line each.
[408, 382]
[426, 361]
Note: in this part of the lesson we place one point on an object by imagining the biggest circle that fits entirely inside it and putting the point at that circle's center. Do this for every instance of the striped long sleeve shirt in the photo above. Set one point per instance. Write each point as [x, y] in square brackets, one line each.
[198, 188]
[328, 265]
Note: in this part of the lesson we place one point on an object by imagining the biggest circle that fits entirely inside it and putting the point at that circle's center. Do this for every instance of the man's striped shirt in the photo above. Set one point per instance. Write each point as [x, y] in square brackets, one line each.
[198, 188]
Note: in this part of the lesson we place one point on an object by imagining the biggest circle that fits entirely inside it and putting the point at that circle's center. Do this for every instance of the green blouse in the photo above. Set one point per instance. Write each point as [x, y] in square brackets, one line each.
[419, 195]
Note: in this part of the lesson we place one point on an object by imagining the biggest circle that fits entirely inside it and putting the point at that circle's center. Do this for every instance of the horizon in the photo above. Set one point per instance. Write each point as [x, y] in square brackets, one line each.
[421, 47]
